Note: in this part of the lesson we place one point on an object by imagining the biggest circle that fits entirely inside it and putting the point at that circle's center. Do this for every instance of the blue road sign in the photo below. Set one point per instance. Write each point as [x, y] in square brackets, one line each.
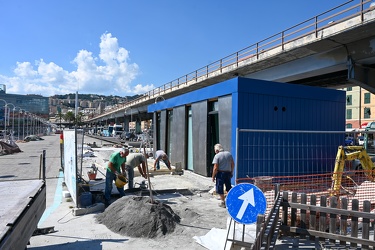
[244, 202]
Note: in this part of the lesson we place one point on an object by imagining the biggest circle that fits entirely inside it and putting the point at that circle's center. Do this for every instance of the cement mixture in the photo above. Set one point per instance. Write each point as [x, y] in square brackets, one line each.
[136, 216]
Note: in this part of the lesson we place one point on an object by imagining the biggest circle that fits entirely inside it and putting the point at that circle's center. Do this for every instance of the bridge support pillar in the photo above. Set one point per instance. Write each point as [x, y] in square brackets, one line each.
[361, 75]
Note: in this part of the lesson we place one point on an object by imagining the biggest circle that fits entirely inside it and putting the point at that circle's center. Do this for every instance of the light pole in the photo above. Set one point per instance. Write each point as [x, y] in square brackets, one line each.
[32, 123]
[19, 112]
[59, 112]
[160, 96]
[14, 107]
[27, 123]
[23, 123]
[5, 117]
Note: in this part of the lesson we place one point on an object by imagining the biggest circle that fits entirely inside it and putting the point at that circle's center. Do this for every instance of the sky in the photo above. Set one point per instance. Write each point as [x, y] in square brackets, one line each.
[128, 47]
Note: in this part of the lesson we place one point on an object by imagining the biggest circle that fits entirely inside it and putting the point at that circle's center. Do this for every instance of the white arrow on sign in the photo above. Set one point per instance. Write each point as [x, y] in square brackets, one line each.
[248, 198]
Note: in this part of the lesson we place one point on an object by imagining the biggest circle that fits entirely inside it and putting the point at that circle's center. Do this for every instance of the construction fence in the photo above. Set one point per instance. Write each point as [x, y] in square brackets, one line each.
[325, 182]
[302, 162]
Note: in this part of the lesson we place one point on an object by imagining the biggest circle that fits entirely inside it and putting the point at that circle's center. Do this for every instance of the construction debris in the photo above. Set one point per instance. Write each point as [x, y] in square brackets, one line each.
[6, 148]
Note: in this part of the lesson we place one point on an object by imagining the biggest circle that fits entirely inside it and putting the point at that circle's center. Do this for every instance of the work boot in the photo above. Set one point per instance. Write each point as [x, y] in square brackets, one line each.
[222, 204]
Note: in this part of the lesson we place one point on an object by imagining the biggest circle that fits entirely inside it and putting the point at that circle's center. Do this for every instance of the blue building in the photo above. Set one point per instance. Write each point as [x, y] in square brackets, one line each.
[271, 128]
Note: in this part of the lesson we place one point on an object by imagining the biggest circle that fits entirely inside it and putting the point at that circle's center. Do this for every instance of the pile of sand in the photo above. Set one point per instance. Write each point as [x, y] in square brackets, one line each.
[136, 216]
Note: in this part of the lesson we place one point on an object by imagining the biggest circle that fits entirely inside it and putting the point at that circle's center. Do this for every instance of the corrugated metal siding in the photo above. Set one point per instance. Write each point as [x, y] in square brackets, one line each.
[163, 130]
[225, 121]
[199, 116]
[179, 136]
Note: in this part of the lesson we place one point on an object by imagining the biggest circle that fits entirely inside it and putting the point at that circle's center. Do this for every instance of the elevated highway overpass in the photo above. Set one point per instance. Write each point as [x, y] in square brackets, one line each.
[335, 49]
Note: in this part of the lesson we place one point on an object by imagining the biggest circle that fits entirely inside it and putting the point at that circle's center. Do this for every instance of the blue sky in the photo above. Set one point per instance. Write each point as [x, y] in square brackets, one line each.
[128, 47]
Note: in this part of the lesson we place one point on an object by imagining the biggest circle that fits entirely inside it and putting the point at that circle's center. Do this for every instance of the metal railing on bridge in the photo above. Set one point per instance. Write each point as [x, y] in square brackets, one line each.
[271, 46]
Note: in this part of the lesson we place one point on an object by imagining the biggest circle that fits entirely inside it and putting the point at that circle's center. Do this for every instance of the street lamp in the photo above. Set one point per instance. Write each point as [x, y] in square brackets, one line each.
[14, 107]
[156, 99]
[27, 122]
[19, 112]
[22, 111]
[126, 98]
[5, 117]
[59, 112]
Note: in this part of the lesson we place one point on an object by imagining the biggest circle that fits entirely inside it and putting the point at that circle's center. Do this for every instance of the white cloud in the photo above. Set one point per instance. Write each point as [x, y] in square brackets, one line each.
[141, 89]
[25, 69]
[111, 73]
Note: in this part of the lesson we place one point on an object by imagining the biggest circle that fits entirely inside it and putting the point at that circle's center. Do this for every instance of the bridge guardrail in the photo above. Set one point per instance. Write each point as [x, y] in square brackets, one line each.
[261, 49]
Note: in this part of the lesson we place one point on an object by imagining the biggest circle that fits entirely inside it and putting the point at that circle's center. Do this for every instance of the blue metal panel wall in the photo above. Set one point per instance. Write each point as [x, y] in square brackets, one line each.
[261, 111]
[277, 106]
[214, 91]
[264, 105]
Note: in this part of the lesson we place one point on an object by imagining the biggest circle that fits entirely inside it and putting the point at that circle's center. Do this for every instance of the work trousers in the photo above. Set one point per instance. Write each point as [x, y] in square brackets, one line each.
[109, 179]
[130, 173]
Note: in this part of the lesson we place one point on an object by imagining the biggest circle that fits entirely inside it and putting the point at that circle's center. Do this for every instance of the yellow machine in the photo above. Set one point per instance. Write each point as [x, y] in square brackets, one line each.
[348, 153]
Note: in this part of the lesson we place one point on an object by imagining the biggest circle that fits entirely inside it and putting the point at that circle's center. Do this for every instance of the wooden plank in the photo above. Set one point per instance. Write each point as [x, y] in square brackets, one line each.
[331, 210]
[325, 235]
[303, 213]
[312, 223]
[322, 217]
[19, 224]
[332, 216]
[366, 223]
[344, 220]
[293, 213]
[285, 206]
[355, 207]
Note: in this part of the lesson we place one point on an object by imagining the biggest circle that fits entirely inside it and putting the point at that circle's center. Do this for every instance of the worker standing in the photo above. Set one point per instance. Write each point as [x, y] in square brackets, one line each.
[116, 166]
[135, 160]
[223, 171]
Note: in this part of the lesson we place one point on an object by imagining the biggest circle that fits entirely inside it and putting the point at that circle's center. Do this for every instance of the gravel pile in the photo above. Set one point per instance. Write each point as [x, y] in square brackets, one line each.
[136, 216]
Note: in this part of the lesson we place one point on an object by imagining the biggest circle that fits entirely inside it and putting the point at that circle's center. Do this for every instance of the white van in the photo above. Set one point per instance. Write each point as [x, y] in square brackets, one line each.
[115, 130]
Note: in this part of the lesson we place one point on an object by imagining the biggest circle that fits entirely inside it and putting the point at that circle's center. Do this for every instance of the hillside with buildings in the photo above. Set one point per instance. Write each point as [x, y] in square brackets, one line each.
[88, 104]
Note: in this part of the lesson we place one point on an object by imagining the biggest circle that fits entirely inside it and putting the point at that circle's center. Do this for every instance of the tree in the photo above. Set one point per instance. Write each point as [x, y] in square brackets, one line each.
[79, 118]
[69, 116]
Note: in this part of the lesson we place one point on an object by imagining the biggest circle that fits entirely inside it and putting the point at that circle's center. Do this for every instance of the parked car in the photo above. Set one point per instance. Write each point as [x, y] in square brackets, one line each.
[349, 141]
[33, 138]
[129, 136]
[361, 140]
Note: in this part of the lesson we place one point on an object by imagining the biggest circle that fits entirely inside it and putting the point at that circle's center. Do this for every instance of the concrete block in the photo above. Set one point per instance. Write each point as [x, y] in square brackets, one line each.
[97, 207]
[66, 194]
